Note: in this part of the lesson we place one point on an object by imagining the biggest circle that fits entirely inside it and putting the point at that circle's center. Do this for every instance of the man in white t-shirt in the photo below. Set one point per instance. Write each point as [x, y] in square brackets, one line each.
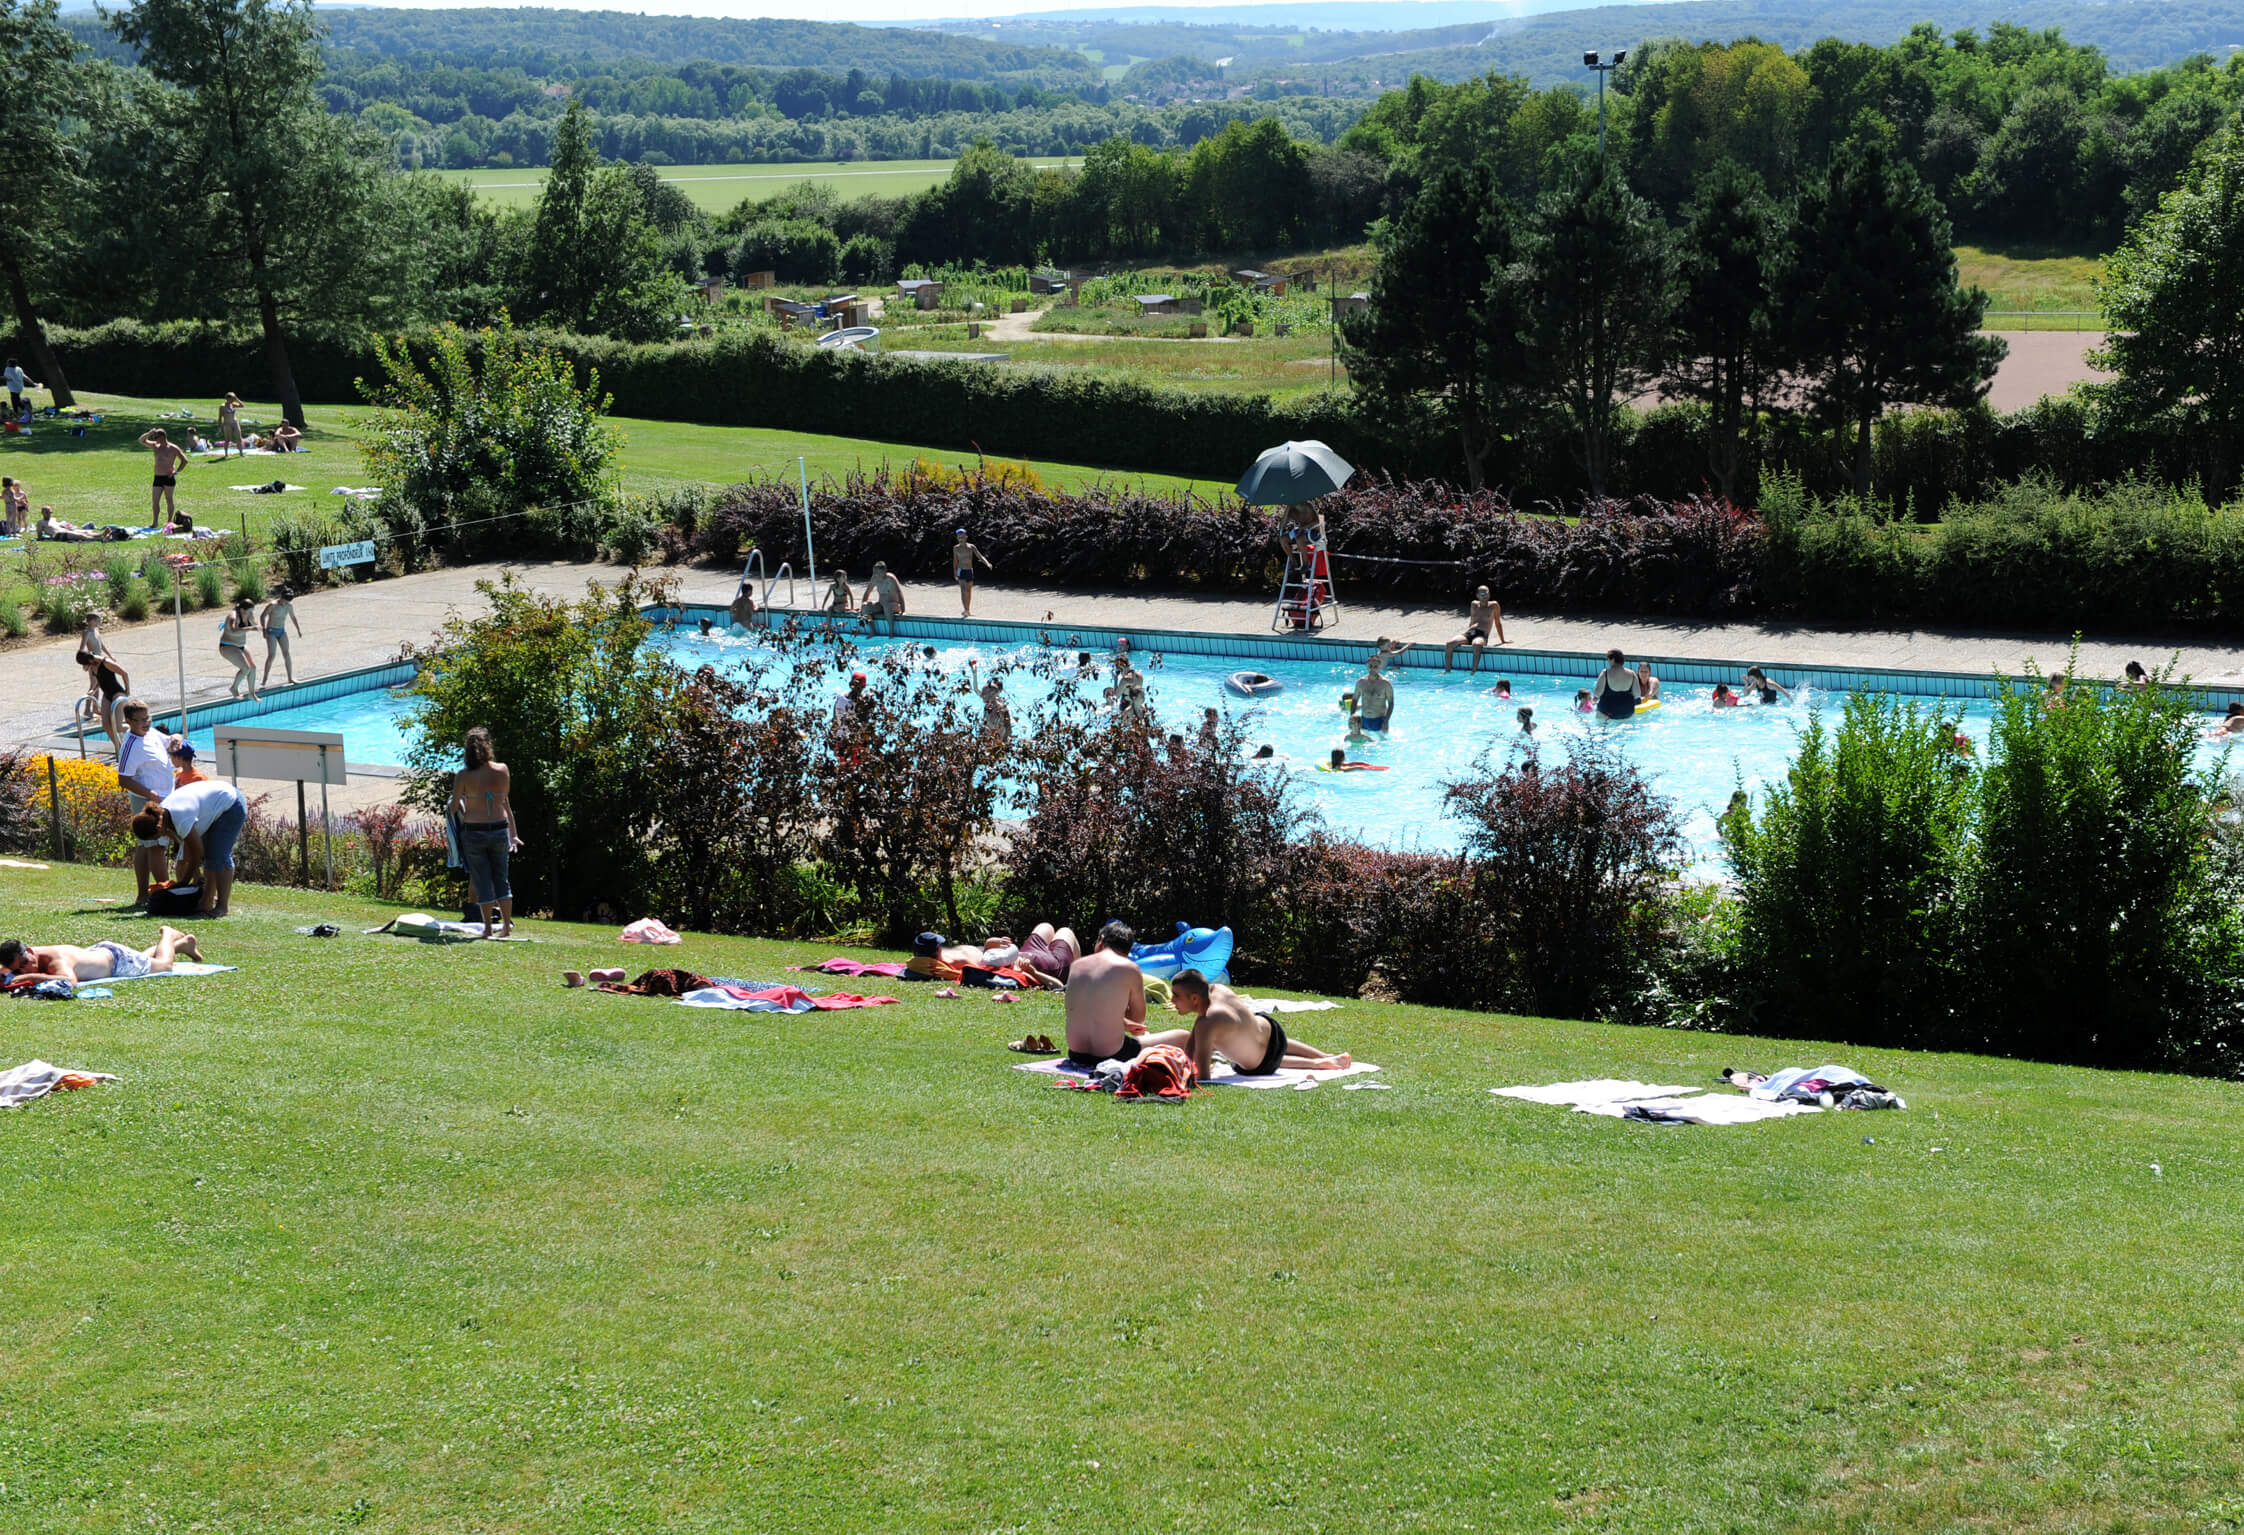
[205, 818]
[18, 386]
[144, 772]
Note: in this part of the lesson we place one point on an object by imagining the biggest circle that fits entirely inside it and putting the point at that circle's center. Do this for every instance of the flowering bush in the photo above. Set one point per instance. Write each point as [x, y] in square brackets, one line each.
[95, 814]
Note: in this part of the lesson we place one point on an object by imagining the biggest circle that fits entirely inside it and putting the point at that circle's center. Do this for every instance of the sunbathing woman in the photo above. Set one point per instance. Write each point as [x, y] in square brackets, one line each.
[103, 961]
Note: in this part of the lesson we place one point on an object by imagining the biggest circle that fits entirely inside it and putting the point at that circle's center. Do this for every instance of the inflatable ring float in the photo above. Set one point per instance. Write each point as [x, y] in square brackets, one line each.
[1253, 684]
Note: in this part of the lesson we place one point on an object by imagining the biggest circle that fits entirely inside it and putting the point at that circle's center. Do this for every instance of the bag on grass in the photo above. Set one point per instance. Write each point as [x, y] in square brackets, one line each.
[179, 901]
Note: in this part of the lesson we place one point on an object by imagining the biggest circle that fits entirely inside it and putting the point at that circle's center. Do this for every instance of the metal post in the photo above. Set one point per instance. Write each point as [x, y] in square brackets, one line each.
[54, 808]
[303, 835]
[179, 633]
[326, 825]
[1601, 74]
[810, 547]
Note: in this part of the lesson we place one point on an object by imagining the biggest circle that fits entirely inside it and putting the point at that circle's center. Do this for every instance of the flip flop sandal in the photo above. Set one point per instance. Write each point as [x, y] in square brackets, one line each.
[1025, 1046]
[571, 978]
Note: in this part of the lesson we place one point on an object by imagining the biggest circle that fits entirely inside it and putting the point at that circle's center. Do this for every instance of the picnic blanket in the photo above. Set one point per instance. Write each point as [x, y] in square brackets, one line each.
[1224, 1075]
[775, 999]
[36, 1079]
[838, 965]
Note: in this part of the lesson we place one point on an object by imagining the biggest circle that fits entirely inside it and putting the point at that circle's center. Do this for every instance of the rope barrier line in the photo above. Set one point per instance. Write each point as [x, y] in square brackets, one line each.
[1383, 559]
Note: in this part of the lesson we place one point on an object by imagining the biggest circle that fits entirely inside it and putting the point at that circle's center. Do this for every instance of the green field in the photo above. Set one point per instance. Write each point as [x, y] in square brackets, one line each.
[716, 188]
[103, 477]
[379, 1236]
[2023, 283]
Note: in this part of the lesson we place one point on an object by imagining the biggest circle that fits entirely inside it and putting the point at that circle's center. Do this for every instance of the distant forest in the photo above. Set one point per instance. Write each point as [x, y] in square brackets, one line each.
[2061, 128]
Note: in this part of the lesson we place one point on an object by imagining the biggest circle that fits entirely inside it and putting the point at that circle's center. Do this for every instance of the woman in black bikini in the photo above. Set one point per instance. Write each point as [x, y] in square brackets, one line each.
[106, 682]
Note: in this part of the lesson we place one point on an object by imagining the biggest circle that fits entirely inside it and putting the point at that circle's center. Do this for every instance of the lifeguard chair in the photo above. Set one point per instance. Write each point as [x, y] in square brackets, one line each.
[1291, 475]
[1306, 600]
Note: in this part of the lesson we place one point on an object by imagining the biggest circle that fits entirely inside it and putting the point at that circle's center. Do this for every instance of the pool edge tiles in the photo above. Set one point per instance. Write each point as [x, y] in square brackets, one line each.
[1421, 656]
[233, 711]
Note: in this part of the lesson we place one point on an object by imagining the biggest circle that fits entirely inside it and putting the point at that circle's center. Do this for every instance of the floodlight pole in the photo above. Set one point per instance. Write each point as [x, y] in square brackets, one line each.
[810, 549]
[1590, 61]
[179, 635]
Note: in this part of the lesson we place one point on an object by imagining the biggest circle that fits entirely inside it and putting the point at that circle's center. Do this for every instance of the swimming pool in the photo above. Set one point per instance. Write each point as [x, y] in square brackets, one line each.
[1695, 754]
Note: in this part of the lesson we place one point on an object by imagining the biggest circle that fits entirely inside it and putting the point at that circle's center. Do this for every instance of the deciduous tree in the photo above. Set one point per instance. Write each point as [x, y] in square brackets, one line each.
[40, 91]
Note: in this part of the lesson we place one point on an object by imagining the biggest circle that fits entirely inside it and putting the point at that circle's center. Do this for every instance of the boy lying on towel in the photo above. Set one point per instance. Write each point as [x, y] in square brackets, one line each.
[1255, 1045]
[100, 962]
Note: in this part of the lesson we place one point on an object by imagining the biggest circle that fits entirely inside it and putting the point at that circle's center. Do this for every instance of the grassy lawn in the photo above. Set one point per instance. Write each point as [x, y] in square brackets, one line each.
[378, 1236]
[2029, 278]
[716, 188]
[1253, 365]
[103, 476]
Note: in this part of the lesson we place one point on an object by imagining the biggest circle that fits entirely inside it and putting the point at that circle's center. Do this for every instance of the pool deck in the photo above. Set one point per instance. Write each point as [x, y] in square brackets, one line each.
[349, 628]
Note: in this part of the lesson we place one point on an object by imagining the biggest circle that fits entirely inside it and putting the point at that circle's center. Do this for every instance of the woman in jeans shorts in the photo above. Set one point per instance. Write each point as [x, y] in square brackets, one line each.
[485, 817]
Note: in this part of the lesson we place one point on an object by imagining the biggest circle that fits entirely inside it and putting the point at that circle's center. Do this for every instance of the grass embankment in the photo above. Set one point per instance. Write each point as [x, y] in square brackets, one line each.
[2033, 288]
[406, 1238]
[103, 477]
[717, 188]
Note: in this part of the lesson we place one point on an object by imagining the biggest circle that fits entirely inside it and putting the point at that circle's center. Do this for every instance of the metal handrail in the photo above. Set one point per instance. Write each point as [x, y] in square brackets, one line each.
[2031, 315]
[83, 712]
[787, 569]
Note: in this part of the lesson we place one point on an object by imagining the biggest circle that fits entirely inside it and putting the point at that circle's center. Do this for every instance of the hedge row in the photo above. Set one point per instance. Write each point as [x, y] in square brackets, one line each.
[2133, 556]
[1924, 459]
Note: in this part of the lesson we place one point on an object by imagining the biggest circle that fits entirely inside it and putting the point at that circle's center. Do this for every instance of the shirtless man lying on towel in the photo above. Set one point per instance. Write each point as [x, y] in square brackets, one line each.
[1255, 1045]
[104, 961]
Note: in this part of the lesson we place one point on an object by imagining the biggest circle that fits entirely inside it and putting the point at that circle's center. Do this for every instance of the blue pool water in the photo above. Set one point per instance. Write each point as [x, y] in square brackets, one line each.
[1697, 755]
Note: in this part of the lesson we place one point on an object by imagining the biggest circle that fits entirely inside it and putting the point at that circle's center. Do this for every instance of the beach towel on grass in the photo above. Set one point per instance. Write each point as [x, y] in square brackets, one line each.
[1583, 1095]
[1286, 1005]
[889, 969]
[36, 1079]
[179, 967]
[1225, 1074]
[776, 999]
[1701, 1109]
[416, 924]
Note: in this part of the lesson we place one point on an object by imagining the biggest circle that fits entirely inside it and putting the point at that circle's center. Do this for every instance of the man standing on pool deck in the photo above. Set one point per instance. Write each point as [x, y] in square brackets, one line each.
[891, 598]
[144, 771]
[1484, 617]
[170, 459]
[964, 557]
[1105, 1001]
[1375, 696]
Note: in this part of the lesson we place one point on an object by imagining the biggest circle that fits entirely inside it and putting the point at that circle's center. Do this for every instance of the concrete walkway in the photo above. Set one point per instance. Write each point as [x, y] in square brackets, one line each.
[358, 626]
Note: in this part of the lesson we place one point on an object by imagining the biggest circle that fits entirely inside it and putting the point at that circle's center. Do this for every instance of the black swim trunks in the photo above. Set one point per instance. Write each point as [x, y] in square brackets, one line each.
[1272, 1058]
[166, 481]
[1086, 1060]
[1475, 632]
[967, 575]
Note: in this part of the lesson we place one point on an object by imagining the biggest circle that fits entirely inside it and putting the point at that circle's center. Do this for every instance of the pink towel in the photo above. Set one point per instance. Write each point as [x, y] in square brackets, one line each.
[649, 930]
[841, 999]
[840, 966]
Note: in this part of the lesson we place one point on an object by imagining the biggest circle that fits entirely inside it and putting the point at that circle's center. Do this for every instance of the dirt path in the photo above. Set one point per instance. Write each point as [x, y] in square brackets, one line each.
[1015, 327]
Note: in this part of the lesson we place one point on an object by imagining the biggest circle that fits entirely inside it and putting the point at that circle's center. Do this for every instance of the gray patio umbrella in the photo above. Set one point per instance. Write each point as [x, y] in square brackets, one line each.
[1294, 472]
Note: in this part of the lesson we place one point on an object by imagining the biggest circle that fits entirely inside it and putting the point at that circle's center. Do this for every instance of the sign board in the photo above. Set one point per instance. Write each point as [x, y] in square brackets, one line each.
[333, 556]
[308, 756]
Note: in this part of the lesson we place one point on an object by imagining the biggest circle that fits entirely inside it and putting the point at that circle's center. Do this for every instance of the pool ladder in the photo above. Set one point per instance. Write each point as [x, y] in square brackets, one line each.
[755, 571]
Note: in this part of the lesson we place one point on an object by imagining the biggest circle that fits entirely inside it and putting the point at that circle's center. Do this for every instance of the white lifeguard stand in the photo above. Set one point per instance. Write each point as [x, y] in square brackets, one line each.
[1290, 475]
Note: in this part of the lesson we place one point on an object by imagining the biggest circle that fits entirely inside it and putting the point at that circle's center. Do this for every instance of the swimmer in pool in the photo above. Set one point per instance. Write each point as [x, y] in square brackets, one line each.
[1759, 687]
[1356, 735]
[1503, 690]
[1582, 703]
[1527, 722]
[1723, 697]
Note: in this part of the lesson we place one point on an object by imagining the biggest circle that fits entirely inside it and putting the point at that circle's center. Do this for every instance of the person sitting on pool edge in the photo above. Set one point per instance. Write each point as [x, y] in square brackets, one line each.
[1255, 1046]
[1482, 617]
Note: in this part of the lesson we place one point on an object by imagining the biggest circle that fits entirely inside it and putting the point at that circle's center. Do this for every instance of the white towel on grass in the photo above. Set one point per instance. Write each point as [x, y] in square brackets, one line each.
[180, 967]
[1582, 1095]
[1226, 1075]
[1703, 1109]
[1286, 1005]
[36, 1079]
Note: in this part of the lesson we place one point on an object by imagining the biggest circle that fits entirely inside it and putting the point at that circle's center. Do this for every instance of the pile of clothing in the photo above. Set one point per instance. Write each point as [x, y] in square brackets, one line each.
[1157, 1074]
[1827, 1087]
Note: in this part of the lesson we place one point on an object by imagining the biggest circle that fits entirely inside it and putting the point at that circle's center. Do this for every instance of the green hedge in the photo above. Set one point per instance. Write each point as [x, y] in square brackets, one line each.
[1924, 459]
